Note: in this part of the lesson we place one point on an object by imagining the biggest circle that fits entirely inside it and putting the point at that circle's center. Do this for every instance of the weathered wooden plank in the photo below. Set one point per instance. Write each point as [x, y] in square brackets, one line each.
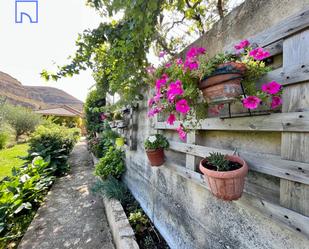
[191, 159]
[296, 122]
[275, 48]
[263, 163]
[295, 146]
[284, 216]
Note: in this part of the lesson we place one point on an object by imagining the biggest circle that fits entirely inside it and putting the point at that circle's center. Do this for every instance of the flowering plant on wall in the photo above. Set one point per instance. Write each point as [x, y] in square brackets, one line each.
[224, 77]
[175, 91]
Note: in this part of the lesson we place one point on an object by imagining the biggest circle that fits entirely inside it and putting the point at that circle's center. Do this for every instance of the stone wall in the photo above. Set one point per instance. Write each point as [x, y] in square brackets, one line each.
[186, 213]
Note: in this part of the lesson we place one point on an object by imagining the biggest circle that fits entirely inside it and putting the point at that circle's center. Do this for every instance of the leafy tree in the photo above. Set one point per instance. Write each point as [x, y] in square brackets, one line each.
[22, 120]
[117, 51]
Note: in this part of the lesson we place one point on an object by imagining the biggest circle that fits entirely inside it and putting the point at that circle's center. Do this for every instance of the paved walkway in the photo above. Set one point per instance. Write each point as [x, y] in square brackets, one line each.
[71, 217]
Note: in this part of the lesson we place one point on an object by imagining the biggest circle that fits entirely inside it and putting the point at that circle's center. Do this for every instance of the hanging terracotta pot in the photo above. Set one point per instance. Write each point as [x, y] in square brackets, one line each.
[226, 185]
[156, 157]
[223, 86]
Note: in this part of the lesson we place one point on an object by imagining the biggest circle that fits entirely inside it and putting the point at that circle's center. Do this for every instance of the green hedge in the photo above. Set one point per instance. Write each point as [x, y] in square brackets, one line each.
[54, 143]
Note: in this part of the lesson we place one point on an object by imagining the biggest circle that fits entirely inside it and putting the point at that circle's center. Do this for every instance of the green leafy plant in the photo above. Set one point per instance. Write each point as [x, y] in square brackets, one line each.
[101, 144]
[112, 164]
[20, 196]
[218, 161]
[156, 141]
[138, 221]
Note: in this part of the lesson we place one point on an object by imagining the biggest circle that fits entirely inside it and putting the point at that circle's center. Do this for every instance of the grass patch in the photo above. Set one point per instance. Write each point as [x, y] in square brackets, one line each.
[9, 158]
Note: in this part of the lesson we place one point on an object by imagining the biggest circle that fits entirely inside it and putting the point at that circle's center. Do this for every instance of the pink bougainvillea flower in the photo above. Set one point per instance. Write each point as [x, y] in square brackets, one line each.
[251, 102]
[191, 65]
[259, 54]
[161, 82]
[181, 133]
[276, 101]
[151, 101]
[182, 106]
[201, 50]
[179, 61]
[271, 87]
[162, 54]
[150, 70]
[154, 111]
[103, 116]
[242, 44]
[168, 65]
[195, 51]
[174, 89]
[157, 97]
[171, 119]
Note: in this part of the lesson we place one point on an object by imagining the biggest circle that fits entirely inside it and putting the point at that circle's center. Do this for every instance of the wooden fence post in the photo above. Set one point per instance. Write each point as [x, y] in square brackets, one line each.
[190, 159]
[295, 145]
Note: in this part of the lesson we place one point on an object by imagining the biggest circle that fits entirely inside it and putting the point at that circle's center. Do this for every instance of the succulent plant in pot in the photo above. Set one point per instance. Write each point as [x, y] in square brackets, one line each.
[154, 146]
[225, 175]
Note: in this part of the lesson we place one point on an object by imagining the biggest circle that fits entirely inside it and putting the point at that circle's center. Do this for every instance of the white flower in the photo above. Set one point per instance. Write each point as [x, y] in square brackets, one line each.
[152, 139]
[24, 178]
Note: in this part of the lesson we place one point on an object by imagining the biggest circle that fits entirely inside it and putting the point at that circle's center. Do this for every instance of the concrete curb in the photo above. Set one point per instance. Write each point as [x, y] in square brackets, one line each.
[122, 231]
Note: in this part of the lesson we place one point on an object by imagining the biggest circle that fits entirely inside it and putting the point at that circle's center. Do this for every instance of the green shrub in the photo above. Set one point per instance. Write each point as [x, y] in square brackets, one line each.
[4, 137]
[100, 145]
[112, 164]
[156, 141]
[23, 120]
[20, 196]
[7, 134]
[111, 188]
[54, 143]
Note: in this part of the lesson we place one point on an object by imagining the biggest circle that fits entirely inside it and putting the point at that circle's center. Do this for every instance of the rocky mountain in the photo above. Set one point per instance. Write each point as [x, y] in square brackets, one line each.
[35, 97]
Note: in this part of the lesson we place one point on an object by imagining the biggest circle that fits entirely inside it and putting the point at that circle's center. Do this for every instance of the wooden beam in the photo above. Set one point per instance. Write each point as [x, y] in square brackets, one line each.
[263, 163]
[294, 121]
[283, 216]
[295, 146]
[191, 159]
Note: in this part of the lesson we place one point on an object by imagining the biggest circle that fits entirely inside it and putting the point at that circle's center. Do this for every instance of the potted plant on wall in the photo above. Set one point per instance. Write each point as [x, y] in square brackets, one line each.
[225, 77]
[154, 146]
[225, 175]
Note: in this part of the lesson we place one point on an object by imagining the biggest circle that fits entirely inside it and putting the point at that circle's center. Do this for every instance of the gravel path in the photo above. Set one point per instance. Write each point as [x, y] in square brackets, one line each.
[71, 217]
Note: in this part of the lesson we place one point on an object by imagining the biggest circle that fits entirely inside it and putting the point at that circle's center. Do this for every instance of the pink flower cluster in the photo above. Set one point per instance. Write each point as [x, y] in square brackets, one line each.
[169, 95]
[272, 89]
[243, 44]
[191, 61]
[259, 54]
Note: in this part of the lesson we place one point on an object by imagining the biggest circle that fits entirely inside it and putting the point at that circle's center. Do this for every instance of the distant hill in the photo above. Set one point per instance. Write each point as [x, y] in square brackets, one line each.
[35, 97]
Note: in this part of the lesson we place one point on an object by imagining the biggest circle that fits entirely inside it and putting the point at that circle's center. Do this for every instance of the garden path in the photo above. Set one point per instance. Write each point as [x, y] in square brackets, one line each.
[71, 217]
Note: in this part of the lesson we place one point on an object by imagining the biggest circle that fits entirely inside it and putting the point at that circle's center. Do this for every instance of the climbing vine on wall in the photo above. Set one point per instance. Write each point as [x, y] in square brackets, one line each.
[117, 50]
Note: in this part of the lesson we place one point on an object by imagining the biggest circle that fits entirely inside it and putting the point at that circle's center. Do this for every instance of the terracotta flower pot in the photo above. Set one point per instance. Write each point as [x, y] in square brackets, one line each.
[223, 86]
[226, 185]
[156, 157]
